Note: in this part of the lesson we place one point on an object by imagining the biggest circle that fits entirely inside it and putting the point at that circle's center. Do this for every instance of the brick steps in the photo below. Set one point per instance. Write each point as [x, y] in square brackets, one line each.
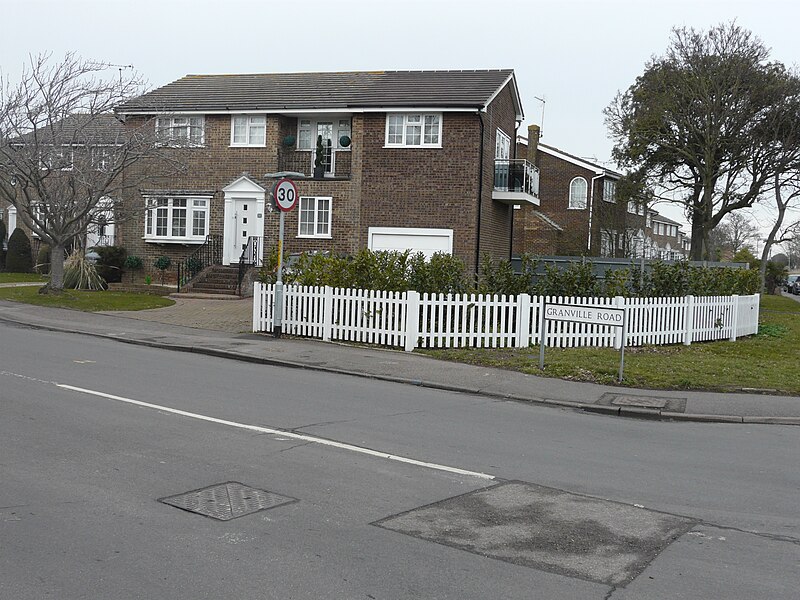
[216, 280]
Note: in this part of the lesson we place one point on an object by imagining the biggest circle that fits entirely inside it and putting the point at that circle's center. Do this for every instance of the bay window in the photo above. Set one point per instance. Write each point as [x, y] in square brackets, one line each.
[179, 220]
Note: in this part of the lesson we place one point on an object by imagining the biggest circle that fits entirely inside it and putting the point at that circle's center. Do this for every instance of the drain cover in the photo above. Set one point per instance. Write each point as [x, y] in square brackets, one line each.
[655, 403]
[547, 529]
[226, 501]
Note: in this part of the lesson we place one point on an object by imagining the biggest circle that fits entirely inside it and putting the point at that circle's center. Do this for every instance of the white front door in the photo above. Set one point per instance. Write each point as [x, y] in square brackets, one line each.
[244, 225]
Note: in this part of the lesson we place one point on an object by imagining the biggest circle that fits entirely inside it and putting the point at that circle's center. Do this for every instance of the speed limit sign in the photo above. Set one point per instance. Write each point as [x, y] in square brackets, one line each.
[285, 194]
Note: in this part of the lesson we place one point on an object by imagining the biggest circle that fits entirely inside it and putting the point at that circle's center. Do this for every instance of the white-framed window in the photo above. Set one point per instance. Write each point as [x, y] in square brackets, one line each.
[57, 159]
[649, 220]
[249, 130]
[315, 217]
[578, 191]
[178, 219]
[502, 145]
[102, 158]
[343, 129]
[414, 130]
[180, 130]
[609, 190]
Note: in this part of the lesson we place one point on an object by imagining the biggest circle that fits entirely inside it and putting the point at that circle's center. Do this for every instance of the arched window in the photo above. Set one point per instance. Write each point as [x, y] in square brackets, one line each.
[578, 189]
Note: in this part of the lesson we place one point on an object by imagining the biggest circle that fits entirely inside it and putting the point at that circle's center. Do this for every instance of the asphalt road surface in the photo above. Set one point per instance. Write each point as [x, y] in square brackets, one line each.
[368, 489]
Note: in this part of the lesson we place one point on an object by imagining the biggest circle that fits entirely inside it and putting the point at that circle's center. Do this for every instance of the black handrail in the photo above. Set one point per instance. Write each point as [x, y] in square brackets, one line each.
[210, 253]
[251, 257]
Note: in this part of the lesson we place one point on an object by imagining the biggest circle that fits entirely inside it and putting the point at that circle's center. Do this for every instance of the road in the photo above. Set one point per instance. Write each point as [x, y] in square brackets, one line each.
[391, 491]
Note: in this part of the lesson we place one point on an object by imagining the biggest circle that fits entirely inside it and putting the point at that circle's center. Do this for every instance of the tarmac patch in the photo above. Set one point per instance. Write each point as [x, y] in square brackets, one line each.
[548, 529]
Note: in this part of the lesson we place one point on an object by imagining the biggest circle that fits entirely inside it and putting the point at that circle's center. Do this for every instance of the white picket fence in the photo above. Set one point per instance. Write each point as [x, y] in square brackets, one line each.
[411, 320]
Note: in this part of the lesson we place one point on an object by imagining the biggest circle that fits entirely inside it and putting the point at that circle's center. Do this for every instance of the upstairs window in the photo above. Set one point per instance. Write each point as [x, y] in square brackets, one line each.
[249, 130]
[578, 190]
[180, 130]
[609, 190]
[413, 130]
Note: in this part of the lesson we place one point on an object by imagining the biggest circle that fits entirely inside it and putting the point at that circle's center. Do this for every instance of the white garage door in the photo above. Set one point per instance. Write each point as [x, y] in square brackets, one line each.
[427, 241]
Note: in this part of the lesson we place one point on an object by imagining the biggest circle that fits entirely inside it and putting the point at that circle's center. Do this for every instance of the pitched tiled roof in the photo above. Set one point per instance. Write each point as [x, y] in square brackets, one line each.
[308, 91]
[80, 129]
[595, 166]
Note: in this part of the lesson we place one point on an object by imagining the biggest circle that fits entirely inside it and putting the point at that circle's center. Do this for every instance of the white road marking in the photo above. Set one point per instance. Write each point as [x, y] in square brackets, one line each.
[283, 433]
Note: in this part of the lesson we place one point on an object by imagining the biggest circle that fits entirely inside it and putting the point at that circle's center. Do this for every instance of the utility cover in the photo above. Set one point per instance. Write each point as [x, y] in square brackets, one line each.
[226, 501]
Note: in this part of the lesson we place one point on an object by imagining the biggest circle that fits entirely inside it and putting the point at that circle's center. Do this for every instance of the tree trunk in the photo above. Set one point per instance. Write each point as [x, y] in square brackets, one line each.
[57, 268]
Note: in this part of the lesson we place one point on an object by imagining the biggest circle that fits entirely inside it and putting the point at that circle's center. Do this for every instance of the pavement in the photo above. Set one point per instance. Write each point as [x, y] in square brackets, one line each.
[220, 328]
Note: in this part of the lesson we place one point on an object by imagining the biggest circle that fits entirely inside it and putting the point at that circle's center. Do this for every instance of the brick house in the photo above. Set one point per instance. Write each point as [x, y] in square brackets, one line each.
[407, 160]
[579, 214]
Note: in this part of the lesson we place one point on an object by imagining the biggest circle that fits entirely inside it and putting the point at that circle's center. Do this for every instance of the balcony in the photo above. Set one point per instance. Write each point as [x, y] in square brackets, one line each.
[335, 166]
[516, 181]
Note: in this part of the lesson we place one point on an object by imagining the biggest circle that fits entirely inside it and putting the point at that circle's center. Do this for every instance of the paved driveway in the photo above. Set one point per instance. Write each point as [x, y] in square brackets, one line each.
[232, 316]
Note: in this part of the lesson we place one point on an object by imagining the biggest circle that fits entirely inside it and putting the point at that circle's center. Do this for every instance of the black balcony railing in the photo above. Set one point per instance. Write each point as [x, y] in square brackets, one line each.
[516, 175]
[251, 257]
[336, 164]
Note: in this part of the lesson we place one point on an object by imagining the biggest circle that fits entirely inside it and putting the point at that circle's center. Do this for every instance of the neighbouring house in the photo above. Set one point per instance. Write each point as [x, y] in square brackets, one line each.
[578, 213]
[74, 146]
[390, 160]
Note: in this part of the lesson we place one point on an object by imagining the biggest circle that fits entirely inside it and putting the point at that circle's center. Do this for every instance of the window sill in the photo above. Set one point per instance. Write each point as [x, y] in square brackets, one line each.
[264, 145]
[576, 208]
[175, 240]
[422, 147]
[315, 237]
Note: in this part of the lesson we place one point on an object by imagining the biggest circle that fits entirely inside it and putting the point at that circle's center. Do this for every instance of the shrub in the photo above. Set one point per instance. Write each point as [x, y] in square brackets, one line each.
[2, 243]
[81, 274]
[442, 274]
[43, 260]
[111, 262]
[775, 276]
[18, 258]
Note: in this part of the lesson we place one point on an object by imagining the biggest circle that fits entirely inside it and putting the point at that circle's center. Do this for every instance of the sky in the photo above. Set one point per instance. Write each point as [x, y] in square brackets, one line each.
[574, 54]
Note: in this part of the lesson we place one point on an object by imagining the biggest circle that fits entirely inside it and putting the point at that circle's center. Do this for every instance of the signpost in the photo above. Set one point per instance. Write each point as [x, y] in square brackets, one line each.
[284, 194]
[578, 313]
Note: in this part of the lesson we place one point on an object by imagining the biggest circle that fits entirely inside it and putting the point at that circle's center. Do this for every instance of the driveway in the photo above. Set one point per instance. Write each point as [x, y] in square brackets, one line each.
[231, 316]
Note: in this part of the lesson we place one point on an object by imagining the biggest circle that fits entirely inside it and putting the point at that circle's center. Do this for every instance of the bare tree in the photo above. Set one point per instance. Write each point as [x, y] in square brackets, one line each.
[787, 195]
[735, 232]
[65, 158]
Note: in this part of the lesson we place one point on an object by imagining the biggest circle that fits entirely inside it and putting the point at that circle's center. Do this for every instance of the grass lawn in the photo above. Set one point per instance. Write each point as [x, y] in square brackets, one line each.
[766, 361]
[20, 277]
[86, 301]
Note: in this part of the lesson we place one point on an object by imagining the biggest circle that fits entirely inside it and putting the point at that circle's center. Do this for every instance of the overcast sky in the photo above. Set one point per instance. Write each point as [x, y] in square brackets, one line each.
[575, 54]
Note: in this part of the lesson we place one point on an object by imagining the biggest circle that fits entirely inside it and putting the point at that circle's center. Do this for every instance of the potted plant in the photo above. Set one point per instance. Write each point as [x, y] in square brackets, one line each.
[319, 159]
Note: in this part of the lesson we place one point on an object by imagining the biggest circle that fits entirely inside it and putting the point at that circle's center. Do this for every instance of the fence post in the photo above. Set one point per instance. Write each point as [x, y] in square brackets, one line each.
[258, 300]
[523, 320]
[688, 324]
[735, 319]
[619, 302]
[412, 320]
[327, 313]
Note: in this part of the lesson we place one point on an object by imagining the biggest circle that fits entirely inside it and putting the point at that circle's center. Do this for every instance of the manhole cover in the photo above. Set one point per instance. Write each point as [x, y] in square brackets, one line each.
[226, 501]
[548, 529]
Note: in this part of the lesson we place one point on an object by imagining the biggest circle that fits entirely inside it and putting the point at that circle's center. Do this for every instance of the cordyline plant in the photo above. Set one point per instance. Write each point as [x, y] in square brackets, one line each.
[65, 159]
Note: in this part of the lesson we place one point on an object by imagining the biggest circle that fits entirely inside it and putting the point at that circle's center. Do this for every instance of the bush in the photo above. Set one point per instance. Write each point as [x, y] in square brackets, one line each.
[18, 258]
[2, 243]
[43, 260]
[111, 262]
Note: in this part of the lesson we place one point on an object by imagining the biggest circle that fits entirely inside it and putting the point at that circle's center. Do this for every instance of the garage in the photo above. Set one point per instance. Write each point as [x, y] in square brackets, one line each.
[427, 241]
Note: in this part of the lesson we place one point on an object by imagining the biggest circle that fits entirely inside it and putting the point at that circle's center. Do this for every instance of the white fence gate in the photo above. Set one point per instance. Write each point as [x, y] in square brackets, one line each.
[410, 320]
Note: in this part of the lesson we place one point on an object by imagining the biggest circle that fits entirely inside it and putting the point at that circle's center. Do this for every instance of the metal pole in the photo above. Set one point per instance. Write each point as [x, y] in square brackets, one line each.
[624, 341]
[542, 328]
[278, 315]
